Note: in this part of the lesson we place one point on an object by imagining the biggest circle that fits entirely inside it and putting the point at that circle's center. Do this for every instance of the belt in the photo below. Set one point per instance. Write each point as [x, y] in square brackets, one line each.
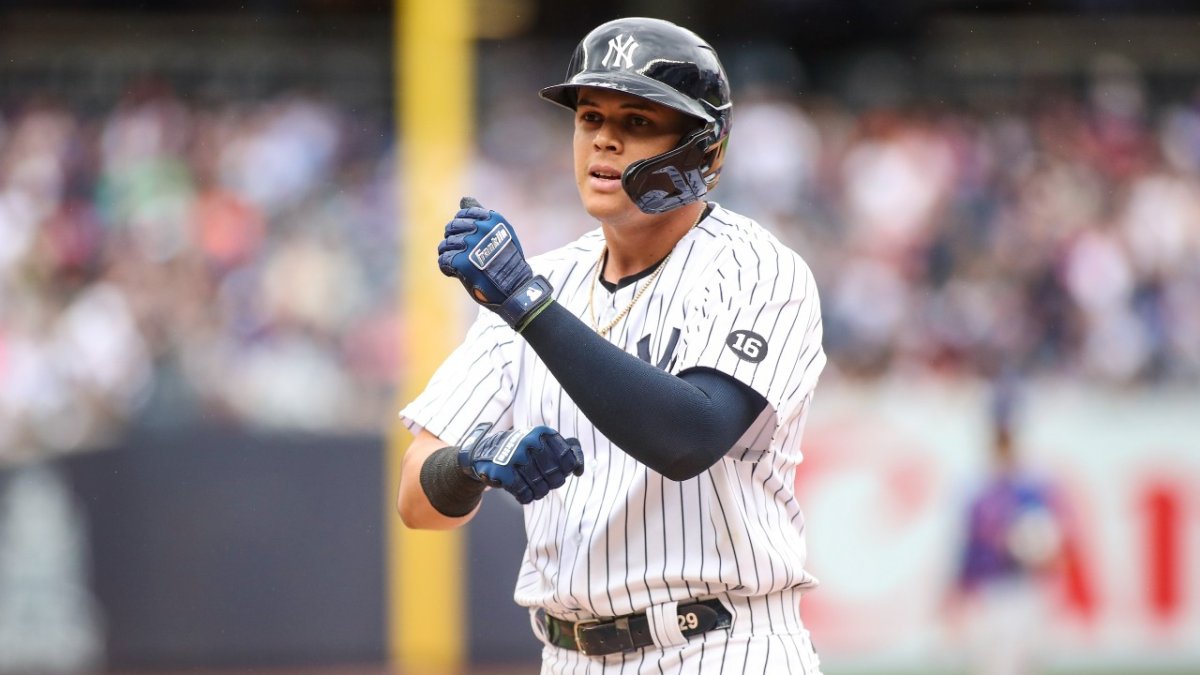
[596, 637]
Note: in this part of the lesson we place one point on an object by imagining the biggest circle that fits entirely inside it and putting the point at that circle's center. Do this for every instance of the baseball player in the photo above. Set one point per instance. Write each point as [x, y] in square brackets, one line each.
[642, 390]
[1013, 548]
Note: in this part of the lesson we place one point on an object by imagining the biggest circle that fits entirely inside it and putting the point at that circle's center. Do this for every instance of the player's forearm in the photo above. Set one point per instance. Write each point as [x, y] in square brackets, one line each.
[665, 422]
[413, 502]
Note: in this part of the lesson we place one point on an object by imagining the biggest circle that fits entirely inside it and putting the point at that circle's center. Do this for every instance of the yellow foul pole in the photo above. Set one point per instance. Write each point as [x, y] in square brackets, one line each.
[434, 86]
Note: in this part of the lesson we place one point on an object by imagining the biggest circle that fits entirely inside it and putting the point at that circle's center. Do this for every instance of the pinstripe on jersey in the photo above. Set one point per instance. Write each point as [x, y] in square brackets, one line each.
[621, 537]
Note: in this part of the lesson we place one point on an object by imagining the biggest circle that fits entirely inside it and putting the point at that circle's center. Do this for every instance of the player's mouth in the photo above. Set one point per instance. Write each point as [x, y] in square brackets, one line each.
[604, 178]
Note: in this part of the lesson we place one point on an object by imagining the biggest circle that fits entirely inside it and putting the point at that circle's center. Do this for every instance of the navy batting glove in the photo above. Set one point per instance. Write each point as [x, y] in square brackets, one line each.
[529, 464]
[482, 250]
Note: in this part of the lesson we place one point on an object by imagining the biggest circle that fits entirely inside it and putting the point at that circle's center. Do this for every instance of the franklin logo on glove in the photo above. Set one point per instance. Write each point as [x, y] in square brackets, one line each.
[487, 248]
[504, 454]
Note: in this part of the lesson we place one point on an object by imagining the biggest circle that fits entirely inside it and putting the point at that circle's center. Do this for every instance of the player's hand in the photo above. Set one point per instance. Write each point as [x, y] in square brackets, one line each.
[482, 250]
[528, 463]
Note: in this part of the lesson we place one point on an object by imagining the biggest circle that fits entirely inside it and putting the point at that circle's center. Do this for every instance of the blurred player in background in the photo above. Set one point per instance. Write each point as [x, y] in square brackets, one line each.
[642, 390]
[1012, 548]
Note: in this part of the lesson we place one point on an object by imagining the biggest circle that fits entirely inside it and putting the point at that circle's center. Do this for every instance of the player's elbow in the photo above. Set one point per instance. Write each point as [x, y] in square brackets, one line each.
[418, 519]
[689, 466]
[680, 473]
[408, 514]
[683, 458]
[412, 514]
[417, 513]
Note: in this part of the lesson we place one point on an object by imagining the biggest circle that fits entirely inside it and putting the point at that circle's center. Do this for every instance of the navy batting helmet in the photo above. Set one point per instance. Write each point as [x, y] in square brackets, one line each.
[672, 66]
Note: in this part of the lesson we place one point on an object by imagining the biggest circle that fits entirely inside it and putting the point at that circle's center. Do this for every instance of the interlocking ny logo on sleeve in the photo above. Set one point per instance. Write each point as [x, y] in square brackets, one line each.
[620, 50]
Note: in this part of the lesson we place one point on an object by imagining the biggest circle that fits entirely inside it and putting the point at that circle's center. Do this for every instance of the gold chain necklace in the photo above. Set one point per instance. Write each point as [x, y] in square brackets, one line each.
[636, 296]
[603, 332]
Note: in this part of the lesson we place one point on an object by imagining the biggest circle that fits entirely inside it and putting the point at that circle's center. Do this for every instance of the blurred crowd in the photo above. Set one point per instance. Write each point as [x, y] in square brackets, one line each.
[1060, 239]
[166, 263]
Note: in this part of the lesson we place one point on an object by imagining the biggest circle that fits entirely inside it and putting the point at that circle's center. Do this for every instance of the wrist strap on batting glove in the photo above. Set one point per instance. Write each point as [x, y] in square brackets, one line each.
[448, 490]
[527, 302]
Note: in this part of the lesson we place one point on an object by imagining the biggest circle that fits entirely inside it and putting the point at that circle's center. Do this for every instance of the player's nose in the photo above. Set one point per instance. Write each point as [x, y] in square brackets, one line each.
[607, 138]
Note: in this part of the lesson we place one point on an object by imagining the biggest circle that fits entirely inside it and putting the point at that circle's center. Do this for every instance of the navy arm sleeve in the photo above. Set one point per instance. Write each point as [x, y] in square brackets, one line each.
[678, 426]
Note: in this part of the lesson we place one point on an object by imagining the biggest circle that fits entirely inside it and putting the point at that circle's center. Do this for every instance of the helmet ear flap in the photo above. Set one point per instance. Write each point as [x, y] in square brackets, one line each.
[669, 180]
[711, 169]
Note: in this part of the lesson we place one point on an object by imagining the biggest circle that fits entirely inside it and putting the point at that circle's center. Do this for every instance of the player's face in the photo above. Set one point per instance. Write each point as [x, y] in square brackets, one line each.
[612, 131]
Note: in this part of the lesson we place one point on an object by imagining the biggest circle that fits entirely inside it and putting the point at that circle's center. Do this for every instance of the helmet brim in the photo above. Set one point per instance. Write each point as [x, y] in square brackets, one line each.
[567, 93]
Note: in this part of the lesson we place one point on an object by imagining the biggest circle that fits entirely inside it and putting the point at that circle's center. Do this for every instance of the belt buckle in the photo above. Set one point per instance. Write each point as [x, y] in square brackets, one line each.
[575, 633]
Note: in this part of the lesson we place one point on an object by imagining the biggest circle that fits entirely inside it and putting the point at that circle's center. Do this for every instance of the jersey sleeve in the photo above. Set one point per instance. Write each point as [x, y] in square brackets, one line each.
[758, 320]
[473, 385]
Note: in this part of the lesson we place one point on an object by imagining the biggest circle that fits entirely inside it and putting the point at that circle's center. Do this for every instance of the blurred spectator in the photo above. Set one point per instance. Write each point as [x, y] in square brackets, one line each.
[50, 622]
[1013, 543]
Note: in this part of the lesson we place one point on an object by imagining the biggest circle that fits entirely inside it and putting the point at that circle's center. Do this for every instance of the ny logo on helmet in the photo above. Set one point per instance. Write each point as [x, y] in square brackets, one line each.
[620, 49]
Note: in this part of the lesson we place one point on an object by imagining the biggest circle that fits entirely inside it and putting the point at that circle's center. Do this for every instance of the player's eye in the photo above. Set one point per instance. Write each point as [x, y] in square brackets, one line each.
[590, 116]
[638, 121]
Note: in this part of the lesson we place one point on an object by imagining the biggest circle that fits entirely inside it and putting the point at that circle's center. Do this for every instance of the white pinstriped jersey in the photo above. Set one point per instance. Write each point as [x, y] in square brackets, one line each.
[621, 537]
